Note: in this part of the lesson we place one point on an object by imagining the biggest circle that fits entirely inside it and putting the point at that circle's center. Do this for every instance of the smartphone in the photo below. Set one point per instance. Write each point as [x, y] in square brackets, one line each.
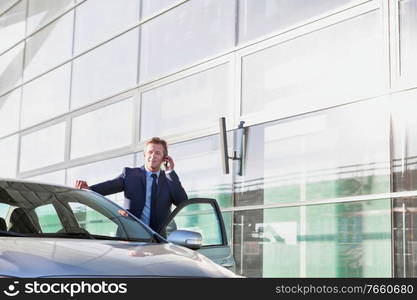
[166, 162]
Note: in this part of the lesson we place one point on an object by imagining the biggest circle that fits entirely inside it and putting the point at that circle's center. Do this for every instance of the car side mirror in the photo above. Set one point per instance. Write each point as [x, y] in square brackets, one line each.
[189, 239]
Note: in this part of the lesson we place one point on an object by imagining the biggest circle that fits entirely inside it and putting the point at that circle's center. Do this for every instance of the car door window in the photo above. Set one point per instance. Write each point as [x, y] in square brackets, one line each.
[199, 217]
[93, 221]
[4, 208]
[48, 218]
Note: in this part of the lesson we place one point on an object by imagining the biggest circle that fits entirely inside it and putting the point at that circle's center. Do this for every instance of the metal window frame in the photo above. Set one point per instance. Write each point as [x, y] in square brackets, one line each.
[400, 82]
[9, 7]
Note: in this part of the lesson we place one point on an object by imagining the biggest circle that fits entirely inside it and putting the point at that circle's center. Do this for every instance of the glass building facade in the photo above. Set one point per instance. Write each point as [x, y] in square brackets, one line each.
[327, 90]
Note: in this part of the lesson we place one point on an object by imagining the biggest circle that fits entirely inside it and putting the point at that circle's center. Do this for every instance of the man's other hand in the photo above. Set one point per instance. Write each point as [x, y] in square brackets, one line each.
[123, 213]
[80, 184]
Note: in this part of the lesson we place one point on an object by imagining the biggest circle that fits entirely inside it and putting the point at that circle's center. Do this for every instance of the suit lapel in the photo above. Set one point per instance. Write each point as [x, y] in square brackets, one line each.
[161, 182]
[142, 177]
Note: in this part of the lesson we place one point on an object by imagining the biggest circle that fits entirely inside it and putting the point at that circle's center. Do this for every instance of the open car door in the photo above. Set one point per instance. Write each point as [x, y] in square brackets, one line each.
[202, 215]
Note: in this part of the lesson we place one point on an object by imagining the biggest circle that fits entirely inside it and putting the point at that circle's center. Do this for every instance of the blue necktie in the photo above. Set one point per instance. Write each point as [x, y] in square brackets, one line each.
[154, 192]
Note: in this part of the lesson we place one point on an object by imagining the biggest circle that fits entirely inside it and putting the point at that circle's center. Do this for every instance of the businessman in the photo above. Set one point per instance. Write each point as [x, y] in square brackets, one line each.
[149, 191]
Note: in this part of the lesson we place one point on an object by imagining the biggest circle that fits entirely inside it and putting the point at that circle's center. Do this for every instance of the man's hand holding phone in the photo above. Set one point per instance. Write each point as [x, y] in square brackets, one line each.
[169, 164]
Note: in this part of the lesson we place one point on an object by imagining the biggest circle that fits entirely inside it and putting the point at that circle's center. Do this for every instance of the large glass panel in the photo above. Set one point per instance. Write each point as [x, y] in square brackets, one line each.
[43, 147]
[331, 240]
[108, 128]
[408, 38]
[187, 105]
[8, 154]
[150, 7]
[50, 46]
[334, 153]
[260, 17]
[12, 26]
[198, 164]
[57, 177]
[101, 171]
[202, 28]
[9, 112]
[42, 11]
[92, 27]
[106, 70]
[11, 67]
[343, 62]
[46, 97]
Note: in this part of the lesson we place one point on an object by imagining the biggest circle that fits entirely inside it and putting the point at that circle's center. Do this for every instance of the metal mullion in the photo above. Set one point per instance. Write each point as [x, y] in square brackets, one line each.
[68, 136]
[9, 8]
[19, 140]
[400, 83]
[139, 43]
[72, 61]
[385, 22]
[237, 86]
[135, 122]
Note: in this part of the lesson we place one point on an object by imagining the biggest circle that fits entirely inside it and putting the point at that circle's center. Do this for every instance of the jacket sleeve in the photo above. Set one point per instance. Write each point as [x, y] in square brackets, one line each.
[111, 186]
[176, 190]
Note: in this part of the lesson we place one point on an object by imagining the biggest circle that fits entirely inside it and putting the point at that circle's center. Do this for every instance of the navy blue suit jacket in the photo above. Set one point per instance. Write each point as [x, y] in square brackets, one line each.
[133, 183]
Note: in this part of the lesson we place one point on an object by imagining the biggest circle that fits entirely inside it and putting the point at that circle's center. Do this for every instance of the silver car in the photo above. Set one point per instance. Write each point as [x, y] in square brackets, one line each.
[56, 231]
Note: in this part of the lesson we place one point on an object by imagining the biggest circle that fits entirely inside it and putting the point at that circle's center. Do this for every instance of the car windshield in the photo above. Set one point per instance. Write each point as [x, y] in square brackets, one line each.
[41, 210]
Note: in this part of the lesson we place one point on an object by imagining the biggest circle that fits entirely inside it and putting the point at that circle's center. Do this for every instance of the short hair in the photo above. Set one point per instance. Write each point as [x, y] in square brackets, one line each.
[158, 141]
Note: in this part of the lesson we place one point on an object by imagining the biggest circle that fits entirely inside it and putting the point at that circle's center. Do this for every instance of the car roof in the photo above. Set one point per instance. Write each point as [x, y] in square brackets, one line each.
[22, 185]
[23, 188]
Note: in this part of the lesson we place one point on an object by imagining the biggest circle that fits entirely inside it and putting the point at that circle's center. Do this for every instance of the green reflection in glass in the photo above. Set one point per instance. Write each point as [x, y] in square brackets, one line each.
[332, 240]
[224, 199]
[93, 221]
[227, 218]
[48, 218]
[281, 248]
[326, 189]
[283, 194]
[200, 218]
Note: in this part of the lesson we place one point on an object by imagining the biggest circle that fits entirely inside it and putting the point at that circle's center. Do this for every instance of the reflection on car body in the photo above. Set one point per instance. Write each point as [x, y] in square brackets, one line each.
[56, 231]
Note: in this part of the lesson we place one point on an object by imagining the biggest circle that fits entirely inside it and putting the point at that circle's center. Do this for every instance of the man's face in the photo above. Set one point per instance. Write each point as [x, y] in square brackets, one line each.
[154, 156]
